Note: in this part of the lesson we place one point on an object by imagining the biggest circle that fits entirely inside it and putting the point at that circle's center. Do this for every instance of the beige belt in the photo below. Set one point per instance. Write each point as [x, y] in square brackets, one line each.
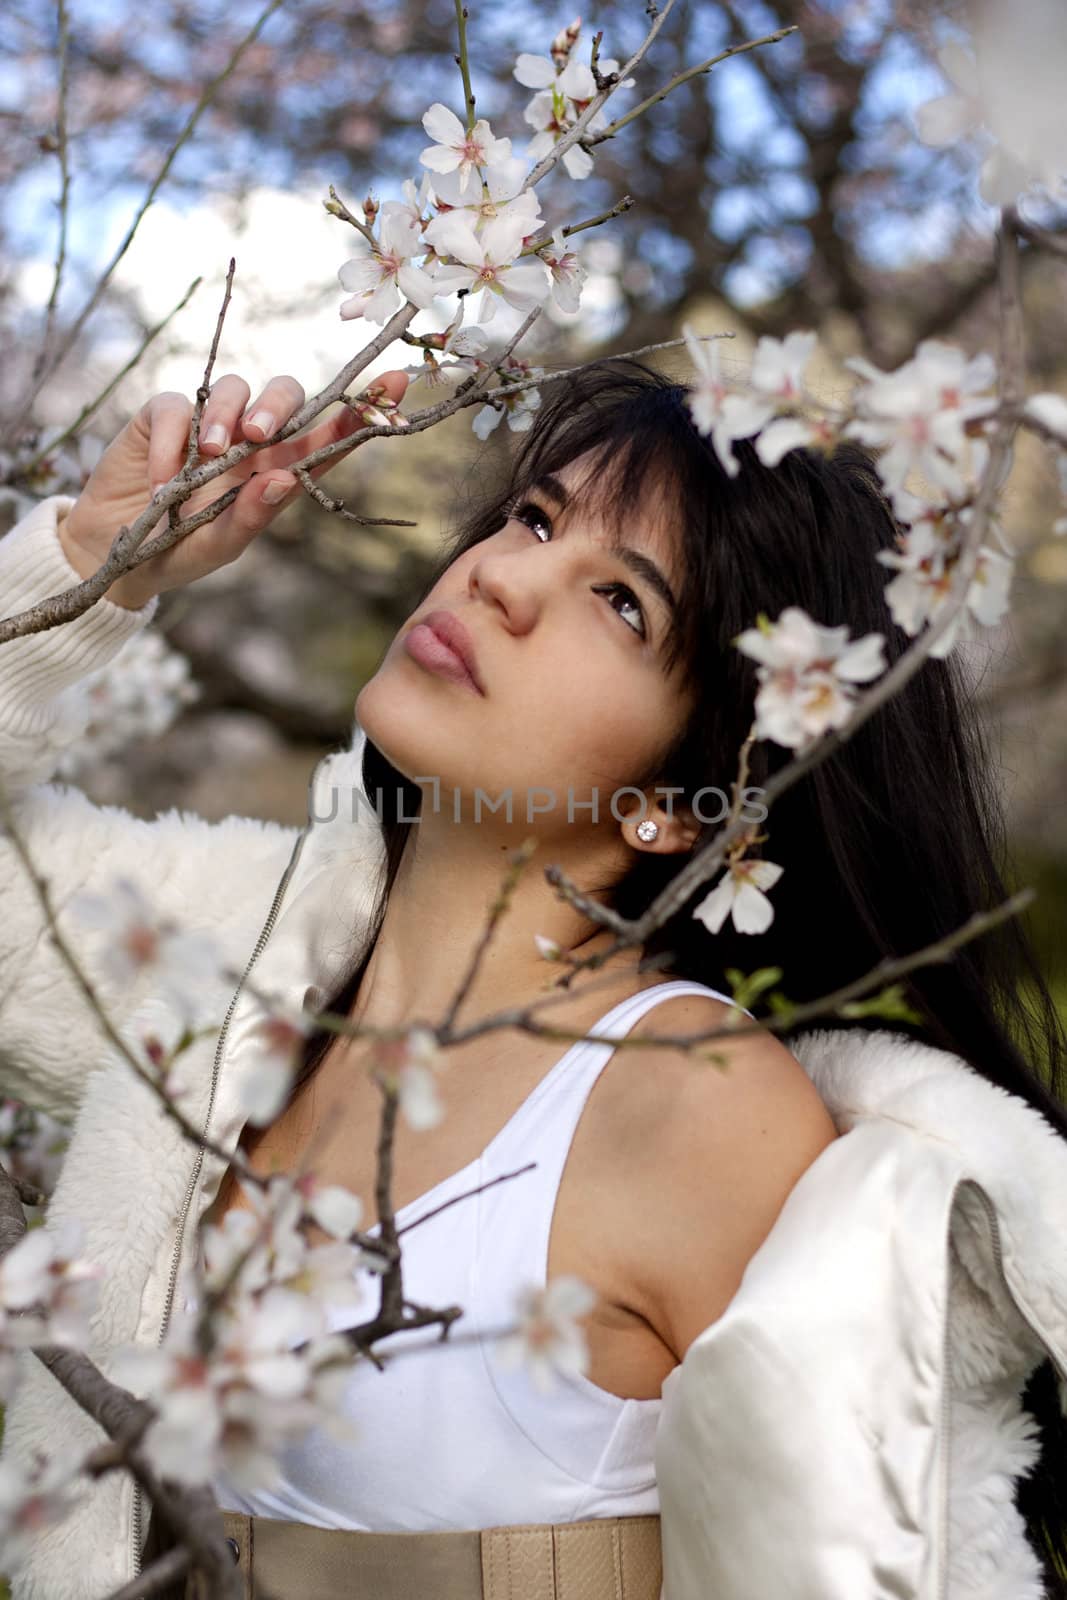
[608, 1558]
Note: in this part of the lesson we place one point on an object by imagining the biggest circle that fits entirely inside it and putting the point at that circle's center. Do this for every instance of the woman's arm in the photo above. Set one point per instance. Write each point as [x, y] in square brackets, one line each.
[215, 877]
[185, 866]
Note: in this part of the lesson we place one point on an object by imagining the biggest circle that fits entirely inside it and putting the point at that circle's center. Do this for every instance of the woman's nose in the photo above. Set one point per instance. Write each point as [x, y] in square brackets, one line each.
[501, 579]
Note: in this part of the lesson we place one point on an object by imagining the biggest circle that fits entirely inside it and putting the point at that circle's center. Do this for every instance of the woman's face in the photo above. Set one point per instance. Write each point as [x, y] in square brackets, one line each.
[567, 640]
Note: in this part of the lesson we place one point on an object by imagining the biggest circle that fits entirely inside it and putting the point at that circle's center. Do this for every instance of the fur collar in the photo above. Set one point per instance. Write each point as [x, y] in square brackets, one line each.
[1001, 1143]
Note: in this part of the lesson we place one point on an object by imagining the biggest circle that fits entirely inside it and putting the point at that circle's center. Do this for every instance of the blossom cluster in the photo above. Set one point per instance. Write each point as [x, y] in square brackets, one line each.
[926, 424]
[138, 695]
[473, 227]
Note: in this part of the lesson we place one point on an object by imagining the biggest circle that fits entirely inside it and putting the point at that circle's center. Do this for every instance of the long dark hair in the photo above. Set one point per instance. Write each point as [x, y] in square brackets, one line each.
[887, 846]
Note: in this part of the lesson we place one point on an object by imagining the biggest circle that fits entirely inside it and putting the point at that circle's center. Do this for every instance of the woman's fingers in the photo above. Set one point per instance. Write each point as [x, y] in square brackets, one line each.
[225, 403]
[344, 421]
[271, 409]
[254, 508]
[166, 418]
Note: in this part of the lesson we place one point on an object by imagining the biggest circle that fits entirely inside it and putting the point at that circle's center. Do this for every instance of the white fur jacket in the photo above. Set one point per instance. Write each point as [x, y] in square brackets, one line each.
[849, 1429]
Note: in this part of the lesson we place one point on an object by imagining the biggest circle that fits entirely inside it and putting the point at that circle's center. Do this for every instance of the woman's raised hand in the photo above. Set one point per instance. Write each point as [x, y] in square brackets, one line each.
[152, 448]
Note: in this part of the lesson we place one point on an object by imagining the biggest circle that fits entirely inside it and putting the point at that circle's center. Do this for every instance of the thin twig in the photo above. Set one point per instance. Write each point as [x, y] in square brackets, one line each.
[517, 865]
[468, 1194]
[338, 508]
[124, 1418]
[577, 132]
[337, 208]
[1041, 237]
[62, 150]
[207, 95]
[28, 1193]
[22, 469]
[129, 539]
[884, 972]
[78, 973]
[131, 546]
[463, 63]
[683, 77]
[616, 210]
[204, 392]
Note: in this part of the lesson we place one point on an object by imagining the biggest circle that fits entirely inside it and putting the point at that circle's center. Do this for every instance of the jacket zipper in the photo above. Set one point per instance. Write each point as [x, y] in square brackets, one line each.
[265, 933]
[998, 1261]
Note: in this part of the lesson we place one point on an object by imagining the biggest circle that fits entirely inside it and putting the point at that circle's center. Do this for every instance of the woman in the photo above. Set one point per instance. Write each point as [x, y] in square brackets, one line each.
[672, 1190]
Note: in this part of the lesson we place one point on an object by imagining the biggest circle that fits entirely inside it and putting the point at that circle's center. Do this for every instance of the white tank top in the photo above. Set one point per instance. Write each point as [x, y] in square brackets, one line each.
[447, 1438]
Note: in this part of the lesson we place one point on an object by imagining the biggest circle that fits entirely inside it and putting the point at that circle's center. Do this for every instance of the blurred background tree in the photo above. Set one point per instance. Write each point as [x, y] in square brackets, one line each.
[786, 188]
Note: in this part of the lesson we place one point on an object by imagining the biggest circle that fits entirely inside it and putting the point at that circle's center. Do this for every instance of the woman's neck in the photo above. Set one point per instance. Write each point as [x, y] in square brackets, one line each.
[436, 919]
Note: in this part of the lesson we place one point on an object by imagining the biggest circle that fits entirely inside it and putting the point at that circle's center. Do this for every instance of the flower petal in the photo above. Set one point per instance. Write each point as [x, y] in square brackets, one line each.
[443, 126]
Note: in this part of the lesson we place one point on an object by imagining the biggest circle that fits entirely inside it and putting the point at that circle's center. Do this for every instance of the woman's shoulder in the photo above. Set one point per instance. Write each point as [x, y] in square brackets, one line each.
[717, 1135]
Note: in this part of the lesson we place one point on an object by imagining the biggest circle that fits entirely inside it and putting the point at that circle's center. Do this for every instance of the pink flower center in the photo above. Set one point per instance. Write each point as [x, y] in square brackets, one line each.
[142, 944]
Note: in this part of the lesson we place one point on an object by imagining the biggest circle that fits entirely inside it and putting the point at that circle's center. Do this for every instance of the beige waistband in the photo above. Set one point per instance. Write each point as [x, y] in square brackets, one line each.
[607, 1558]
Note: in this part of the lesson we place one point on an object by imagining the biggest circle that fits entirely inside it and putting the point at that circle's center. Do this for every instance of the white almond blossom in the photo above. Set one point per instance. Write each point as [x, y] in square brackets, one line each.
[504, 198]
[487, 261]
[32, 1500]
[46, 1269]
[778, 368]
[143, 947]
[412, 209]
[548, 1340]
[138, 695]
[715, 408]
[1050, 410]
[566, 86]
[567, 272]
[409, 1066]
[382, 275]
[264, 1086]
[336, 1210]
[457, 150]
[739, 894]
[925, 563]
[806, 674]
[918, 415]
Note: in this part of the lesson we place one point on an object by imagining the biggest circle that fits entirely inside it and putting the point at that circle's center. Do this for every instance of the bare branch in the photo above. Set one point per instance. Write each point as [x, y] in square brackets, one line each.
[191, 1512]
[683, 77]
[576, 134]
[78, 973]
[338, 508]
[337, 208]
[63, 50]
[463, 62]
[72, 602]
[204, 391]
[22, 469]
[206, 96]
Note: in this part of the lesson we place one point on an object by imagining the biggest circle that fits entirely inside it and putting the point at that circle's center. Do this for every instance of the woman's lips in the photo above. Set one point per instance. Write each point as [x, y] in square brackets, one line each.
[424, 646]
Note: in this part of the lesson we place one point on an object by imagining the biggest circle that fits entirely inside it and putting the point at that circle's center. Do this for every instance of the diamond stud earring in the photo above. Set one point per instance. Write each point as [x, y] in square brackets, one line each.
[647, 830]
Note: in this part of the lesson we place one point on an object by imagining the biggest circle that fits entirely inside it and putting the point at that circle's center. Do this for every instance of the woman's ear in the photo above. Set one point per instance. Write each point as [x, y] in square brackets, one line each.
[663, 830]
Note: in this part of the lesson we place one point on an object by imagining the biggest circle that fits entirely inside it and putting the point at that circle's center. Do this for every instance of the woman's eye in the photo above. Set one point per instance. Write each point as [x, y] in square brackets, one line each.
[535, 517]
[632, 603]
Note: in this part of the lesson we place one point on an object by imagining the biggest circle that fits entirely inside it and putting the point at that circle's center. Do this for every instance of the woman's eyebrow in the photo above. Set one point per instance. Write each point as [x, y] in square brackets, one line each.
[639, 564]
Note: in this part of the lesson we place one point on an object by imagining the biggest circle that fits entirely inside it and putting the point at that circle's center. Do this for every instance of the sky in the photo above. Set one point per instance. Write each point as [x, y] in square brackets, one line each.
[284, 316]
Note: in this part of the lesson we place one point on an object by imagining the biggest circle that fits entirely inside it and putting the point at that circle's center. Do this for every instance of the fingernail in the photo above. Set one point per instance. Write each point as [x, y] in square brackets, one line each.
[216, 434]
[264, 420]
[157, 489]
[275, 492]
